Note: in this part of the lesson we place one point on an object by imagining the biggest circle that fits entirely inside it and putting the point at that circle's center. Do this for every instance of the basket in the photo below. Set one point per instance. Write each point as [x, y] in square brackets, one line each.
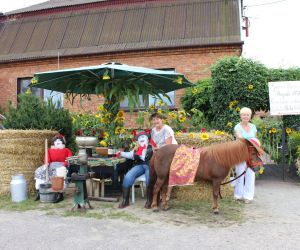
[103, 151]
[57, 183]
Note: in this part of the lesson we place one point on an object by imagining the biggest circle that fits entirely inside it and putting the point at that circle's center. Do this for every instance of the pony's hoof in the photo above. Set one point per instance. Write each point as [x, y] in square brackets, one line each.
[216, 211]
[166, 208]
[155, 210]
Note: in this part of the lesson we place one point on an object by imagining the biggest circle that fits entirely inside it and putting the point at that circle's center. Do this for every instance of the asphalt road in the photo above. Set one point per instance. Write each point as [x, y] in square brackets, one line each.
[272, 222]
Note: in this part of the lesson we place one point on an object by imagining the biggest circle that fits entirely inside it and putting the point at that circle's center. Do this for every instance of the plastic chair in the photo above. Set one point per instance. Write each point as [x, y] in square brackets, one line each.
[141, 180]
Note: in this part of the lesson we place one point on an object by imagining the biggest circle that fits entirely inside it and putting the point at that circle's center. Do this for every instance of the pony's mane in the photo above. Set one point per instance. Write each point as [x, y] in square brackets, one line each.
[229, 153]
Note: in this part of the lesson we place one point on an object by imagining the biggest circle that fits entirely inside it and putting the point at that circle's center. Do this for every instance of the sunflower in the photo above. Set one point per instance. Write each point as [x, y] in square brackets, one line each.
[181, 119]
[237, 109]
[160, 103]
[172, 115]
[261, 170]
[105, 135]
[159, 111]
[104, 120]
[250, 87]
[274, 130]
[103, 143]
[194, 91]
[97, 116]
[101, 108]
[181, 113]
[28, 92]
[288, 130]
[229, 124]
[118, 130]
[177, 133]
[204, 136]
[191, 135]
[152, 107]
[230, 105]
[121, 114]
[219, 132]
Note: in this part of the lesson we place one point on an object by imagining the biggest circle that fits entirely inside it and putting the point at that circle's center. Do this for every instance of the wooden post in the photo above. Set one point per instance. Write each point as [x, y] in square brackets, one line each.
[46, 160]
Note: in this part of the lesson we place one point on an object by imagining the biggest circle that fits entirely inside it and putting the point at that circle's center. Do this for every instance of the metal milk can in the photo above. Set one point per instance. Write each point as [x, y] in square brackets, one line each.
[18, 188]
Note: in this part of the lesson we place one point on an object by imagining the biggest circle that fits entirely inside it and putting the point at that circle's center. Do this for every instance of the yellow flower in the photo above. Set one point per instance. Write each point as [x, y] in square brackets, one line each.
[229, 124]
[274, 130]
[270, 131]
[177, 133]
[288, 130]
[108, 115]
[232, 104]
[181, 112]
[118, 130]
[34, 80]
[204, 136]
[218, 132]
[121, 114]
[191, 135]
[101, 108]
[194, 110]
[152, 107]
[97, 116]
[237, 109]
[172, 115]
[250, 86]
[160, 103]
[73, 119]
[28, 92]
[106, 135]
[181, 119]
[178, 80]
[194, 91]
[261, 170]
[159, 111]
[104, 120]
[103, 143]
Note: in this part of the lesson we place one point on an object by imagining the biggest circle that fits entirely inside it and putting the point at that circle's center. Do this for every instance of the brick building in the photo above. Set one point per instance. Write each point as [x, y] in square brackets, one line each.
[186, 35]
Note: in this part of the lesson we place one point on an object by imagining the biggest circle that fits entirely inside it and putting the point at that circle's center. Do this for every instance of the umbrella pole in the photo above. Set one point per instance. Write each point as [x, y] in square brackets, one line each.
[46, 160]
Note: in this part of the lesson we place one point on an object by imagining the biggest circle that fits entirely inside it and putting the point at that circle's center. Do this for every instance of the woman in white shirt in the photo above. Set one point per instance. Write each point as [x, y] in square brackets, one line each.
[161, 135]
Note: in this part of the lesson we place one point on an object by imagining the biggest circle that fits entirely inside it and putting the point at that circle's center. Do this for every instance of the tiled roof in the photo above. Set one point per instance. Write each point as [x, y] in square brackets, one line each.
[113, 29]
[52, 4]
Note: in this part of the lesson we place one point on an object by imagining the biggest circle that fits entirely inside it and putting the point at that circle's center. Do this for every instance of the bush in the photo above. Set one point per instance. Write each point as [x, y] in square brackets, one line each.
[33, 113]
[236, 83]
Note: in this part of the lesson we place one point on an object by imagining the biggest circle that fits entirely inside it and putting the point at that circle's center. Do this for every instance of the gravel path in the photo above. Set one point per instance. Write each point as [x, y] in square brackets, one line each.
[272, 222]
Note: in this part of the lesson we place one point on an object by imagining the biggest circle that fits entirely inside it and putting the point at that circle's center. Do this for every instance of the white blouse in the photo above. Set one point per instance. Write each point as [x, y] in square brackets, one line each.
[159, 137]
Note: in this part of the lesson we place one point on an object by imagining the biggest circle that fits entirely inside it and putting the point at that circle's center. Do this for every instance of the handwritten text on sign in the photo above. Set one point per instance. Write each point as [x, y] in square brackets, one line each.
[284, 98]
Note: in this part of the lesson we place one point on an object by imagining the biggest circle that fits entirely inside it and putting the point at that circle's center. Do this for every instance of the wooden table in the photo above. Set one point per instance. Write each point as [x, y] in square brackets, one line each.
[97, 164]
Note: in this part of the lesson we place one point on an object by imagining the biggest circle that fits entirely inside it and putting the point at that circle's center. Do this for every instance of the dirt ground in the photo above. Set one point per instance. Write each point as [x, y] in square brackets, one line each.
[271, 221]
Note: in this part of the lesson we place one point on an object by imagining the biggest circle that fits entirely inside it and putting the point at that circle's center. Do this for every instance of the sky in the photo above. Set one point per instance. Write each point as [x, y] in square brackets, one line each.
[274, 37]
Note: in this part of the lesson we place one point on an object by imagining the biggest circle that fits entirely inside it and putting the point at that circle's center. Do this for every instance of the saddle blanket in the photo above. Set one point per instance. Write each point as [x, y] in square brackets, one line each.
[184, 166]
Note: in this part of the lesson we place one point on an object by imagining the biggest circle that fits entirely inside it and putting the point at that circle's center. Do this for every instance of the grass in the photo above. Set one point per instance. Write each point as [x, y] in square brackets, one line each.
[181, 212]
[231, 212]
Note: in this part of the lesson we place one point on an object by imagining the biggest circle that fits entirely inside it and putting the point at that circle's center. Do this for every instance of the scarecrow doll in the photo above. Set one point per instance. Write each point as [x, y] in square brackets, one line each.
[56, 165]
[141, 155]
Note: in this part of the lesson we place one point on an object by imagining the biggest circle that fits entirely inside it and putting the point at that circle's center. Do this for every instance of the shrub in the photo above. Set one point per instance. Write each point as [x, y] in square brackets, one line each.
[237, 82]
[33, 113]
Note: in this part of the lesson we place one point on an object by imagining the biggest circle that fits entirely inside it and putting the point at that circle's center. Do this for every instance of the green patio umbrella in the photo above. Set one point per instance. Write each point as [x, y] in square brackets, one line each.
[112, 80]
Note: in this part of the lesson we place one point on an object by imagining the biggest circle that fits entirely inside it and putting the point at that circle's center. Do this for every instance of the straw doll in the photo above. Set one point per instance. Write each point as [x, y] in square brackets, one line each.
[57, 156]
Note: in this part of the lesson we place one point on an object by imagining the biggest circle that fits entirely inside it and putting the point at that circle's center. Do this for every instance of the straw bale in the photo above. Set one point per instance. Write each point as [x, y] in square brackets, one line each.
[21, 151]
[201, 190]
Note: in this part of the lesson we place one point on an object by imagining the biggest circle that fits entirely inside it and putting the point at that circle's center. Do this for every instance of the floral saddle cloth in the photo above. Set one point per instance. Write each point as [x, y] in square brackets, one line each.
[184, 166]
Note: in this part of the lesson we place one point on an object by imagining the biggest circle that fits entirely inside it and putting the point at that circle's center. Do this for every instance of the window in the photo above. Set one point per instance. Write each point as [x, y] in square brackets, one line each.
[152, 100]
[23, 86]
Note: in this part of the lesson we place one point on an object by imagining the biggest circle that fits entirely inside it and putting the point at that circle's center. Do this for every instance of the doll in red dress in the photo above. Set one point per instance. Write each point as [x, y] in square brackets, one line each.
[57, 164]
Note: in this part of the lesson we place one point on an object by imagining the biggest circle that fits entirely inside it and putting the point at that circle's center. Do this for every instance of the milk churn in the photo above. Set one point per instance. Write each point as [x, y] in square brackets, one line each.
[18, 188]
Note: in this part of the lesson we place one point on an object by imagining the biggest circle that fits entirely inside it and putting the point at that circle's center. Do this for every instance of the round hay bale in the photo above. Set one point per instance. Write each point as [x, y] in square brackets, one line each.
[21, 151]
[201, 190]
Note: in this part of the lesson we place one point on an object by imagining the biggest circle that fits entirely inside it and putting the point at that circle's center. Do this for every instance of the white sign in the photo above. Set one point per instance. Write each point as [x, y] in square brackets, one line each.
[284, 98]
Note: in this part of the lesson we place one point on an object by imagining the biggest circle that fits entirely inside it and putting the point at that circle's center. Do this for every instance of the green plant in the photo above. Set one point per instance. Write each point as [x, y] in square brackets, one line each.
[236, 83]
[33, 113]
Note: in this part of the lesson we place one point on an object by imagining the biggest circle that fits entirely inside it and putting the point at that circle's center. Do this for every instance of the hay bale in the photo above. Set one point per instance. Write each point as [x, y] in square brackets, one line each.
[201, 190]
[21, 151]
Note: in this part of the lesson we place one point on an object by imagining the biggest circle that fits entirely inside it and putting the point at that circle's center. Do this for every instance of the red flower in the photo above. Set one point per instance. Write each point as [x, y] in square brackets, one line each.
[93, 131]
[203, 130]
[79, 132]
[133, 133]
[183, 130]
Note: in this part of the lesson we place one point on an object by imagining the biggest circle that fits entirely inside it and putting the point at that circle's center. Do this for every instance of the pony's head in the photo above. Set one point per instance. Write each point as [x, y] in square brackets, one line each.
[255, 153]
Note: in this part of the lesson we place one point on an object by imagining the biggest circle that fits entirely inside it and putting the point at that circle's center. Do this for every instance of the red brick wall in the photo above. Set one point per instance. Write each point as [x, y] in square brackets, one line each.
[193, 62]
